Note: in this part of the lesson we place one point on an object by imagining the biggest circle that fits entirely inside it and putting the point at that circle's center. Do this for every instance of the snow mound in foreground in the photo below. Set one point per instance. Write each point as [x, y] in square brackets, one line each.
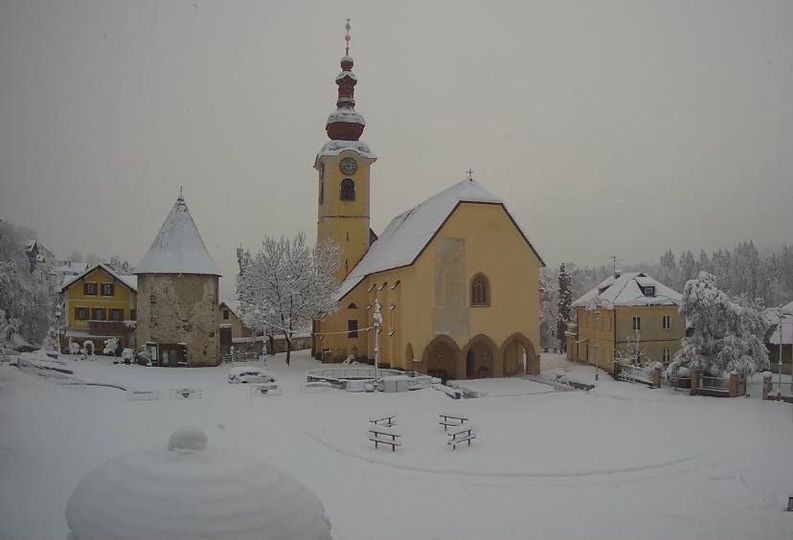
[191, 491]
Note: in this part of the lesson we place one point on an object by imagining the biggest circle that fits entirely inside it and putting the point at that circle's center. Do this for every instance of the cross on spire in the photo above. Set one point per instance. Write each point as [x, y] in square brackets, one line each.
[181, 198]
[347, 38]
[470, 174]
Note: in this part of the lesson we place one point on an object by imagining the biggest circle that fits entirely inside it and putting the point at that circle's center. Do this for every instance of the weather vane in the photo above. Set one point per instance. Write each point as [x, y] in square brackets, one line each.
[347, 38]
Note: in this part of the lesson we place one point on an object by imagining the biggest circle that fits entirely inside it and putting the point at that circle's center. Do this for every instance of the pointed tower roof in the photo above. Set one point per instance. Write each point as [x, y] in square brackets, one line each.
[178, 247]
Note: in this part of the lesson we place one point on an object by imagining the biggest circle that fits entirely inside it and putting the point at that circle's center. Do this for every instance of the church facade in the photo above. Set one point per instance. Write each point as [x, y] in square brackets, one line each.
[455, 276]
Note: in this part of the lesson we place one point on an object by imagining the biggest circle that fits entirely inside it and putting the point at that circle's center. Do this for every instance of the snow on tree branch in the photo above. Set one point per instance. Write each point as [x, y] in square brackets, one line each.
[286, 284]
[727, 335]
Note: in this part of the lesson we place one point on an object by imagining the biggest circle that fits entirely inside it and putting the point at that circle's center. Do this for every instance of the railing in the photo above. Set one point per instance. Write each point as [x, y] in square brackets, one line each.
[719, 385]
[239, 356]
[348, 372]
[631, 373]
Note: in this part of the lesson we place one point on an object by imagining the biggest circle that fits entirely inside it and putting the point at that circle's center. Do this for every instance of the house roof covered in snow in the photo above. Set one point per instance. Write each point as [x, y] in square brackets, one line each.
[771, 316]
[178, 247]
[129, 281]
[629, 289]
[408, 234]
[233, 306]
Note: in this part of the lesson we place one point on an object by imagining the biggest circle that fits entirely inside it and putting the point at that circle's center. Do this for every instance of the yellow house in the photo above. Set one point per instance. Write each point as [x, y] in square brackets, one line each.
[456, 276]
[625, 311]
[98, 304]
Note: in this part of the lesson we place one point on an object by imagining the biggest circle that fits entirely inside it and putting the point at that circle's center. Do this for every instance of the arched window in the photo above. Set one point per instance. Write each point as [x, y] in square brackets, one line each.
[480, 291]
[321, 191]
[347, 190]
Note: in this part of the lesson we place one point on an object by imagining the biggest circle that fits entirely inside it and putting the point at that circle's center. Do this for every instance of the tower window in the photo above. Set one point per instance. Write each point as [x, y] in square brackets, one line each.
[347, 190]
[321, 191]
[480, 291]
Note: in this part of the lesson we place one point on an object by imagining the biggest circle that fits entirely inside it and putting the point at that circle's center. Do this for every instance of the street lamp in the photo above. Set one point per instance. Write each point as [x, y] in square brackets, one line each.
[780, 314]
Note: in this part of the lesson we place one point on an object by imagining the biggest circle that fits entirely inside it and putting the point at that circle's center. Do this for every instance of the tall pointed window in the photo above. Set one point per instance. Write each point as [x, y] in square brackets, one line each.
[321, 191]
[480, 290]
[347, 190]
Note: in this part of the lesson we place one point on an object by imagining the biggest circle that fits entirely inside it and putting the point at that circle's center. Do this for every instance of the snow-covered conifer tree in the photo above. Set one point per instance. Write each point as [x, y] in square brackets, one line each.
[726, 335]
[285, 285]
[565, 299]
[548, 308]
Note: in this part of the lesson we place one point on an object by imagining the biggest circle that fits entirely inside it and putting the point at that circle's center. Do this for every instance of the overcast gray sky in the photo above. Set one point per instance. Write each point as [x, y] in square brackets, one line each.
[607, 127]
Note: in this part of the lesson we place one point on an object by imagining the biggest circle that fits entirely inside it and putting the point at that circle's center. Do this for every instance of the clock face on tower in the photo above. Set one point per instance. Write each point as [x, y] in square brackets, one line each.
[348, 165]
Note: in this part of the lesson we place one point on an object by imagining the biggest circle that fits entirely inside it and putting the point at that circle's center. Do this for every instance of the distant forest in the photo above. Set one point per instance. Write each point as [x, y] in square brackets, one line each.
[766, 278]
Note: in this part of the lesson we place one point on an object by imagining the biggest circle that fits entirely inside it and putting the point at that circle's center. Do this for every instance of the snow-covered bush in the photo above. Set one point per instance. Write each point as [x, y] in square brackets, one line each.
[727, 334]
[111, 346]
[632, 353]
[88, 347]
[74, 347]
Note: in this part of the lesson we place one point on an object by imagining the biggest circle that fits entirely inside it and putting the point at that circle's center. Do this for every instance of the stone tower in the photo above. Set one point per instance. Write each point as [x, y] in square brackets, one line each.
[178, 295]
[343, 164]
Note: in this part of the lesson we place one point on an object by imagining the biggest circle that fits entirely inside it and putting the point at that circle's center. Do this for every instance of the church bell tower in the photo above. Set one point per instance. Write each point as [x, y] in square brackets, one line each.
[343, 165]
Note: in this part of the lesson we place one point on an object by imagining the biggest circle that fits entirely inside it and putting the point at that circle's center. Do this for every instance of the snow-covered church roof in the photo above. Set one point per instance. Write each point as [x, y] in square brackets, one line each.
[407, 235]
[629, 289]
[178, 247]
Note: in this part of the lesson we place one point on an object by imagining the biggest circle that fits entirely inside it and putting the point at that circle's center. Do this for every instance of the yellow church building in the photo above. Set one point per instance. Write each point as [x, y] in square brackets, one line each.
[455, 275]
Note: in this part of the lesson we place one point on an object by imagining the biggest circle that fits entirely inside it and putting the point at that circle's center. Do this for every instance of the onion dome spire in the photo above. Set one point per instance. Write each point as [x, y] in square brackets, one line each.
[346, 124]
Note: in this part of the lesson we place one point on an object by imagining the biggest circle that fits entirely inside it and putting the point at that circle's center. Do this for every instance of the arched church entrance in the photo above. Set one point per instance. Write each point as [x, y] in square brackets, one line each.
[480, 355]
[441, 357]
[518, 356]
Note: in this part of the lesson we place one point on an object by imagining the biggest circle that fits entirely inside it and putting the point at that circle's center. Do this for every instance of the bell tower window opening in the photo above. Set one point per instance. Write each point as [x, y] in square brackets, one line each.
[321, 190]
[347, 190]
[480, 290]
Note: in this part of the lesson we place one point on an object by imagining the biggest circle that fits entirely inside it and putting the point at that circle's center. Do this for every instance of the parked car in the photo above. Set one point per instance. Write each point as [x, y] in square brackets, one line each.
[250, 374]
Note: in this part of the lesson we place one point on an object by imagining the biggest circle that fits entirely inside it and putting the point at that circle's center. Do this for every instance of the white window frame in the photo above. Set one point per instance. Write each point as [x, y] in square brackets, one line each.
[636, 323]
[666, 322]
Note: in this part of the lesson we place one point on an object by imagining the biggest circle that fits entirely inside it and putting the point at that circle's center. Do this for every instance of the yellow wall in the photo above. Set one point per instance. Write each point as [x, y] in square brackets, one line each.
[345, 222]
[492, 246]
[233, 322]
[123, 298]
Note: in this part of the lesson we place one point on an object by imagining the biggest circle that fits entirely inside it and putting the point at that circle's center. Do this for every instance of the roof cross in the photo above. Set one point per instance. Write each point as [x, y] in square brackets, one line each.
[347, 38]
[470, 174]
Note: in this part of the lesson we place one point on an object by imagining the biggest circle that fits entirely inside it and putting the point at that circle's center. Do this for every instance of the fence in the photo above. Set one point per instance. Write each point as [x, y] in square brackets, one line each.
[239, 356]
[635, 374]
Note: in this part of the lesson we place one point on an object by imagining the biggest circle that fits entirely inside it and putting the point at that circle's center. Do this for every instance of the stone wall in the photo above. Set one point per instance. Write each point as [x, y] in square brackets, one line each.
[180, 308]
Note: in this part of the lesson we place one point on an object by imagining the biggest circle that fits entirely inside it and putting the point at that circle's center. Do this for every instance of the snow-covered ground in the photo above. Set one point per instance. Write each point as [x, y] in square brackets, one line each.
[621, 461]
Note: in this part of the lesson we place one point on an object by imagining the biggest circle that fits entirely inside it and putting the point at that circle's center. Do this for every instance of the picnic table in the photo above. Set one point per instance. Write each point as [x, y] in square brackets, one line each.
[387, 420]
[461, 434]
[451, 420]
[379, 435]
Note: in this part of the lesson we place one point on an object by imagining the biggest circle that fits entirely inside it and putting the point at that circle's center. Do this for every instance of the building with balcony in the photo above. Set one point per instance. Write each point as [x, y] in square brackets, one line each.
[98, 304]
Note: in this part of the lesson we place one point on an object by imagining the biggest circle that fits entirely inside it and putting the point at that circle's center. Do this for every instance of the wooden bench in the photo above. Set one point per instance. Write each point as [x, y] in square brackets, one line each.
[383, 436]
[460, 435]
[383, 421]
[451, 420]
